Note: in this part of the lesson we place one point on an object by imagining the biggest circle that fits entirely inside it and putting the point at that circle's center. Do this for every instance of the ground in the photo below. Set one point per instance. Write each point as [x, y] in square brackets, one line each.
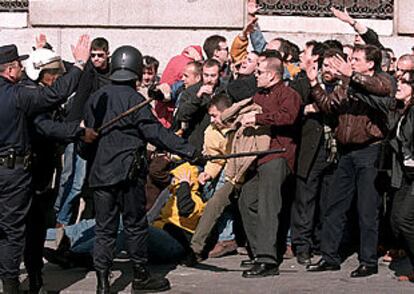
[223, 275]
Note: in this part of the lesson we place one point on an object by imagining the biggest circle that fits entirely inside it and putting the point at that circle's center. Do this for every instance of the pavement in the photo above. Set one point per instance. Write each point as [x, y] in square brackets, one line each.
[223, 275]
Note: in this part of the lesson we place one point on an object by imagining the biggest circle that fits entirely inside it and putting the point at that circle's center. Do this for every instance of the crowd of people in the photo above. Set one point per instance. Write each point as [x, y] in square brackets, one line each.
[272, 152]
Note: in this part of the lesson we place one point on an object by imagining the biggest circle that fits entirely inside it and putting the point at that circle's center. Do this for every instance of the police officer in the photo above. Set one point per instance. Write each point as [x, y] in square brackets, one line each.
[43, 68]
[116, 163]
[17, 103]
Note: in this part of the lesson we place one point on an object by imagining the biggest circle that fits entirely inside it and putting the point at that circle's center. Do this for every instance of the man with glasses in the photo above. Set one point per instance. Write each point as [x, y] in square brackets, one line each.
[95, 76]
[17, 104]
[260, 201]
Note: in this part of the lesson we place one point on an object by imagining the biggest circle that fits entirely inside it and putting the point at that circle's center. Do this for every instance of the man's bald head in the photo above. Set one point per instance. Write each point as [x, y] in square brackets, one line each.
[274, 64]
[269, 72]
[405, 63]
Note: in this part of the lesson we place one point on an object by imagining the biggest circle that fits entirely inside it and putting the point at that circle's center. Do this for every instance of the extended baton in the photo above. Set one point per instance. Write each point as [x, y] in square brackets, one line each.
[124, 114]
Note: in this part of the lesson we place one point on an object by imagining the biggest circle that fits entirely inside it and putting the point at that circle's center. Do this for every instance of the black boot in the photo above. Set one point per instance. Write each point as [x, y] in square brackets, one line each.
[35, 282]
[143, 283]
[11, 286]
[102, 286]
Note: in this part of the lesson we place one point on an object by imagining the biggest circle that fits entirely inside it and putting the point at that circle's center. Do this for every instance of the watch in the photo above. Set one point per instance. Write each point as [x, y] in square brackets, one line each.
[80, 62]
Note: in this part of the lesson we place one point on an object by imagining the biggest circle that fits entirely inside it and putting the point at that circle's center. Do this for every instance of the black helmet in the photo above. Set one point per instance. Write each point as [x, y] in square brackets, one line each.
[126, 64]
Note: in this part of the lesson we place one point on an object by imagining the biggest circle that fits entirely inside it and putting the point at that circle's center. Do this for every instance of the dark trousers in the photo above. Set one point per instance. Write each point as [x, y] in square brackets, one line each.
[260, 204]
[15, 197]
[356, 174]
[309, 205]
[36, 228]
[128, 199]
[402, 218]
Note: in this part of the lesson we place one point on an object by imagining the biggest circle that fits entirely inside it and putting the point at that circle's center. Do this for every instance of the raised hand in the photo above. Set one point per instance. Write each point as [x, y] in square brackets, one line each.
[342, 15]
[81, 51]
[339, 64]
[249, 27]
[252, 7]
[41, 41]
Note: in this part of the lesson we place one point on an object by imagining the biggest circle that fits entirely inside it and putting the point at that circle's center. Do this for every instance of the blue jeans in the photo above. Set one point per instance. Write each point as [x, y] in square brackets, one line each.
[225, 222]
[71, 181]
[161, 246]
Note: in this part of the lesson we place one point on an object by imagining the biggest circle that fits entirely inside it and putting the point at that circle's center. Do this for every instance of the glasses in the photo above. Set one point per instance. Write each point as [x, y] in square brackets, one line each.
[260, 72]
[99, 55]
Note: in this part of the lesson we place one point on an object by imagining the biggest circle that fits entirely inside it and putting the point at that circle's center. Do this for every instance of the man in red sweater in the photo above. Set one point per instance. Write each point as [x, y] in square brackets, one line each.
[261, 197]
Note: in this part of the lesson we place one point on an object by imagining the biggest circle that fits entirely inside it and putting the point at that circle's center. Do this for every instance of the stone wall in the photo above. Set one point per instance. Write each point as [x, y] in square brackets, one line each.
[163, 28]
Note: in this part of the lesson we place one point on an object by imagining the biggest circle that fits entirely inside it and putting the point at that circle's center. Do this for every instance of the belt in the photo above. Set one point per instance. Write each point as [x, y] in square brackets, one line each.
[10, 162]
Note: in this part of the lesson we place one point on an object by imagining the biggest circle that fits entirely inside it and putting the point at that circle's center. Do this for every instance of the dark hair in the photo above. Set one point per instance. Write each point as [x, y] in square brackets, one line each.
[271, 53]
[211, 44]
[293, 51]
[333, 52]
[221, 101]
[284, 48]
[211, 63]
[372, 53]
[100, 44]
[333, 44]
[197, 66]
[150, 62]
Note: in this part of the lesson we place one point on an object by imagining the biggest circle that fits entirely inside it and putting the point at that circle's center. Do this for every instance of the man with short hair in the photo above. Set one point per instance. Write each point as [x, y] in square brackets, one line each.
[359, 132]
[192, 112]
[315, 161]
[95, 76]
[17, 104]
[216, 47]
[260, 201]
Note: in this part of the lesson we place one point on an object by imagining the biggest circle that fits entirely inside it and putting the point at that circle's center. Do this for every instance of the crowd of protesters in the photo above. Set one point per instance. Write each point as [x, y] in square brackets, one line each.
[328, 130]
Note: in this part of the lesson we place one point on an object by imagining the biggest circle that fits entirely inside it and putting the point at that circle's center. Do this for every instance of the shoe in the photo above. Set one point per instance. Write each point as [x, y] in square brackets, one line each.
[322, 266]
[364, 271]
[191, 259]
[102, 282]
[223, 248]
[35, 282]
[11, 286]
[247, 263]
[303, 258]
[260, 270]
[57, 257]
[144, 283]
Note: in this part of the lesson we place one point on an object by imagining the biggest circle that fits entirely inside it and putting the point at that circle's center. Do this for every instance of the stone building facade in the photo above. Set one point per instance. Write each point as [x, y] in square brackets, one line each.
[163, 28]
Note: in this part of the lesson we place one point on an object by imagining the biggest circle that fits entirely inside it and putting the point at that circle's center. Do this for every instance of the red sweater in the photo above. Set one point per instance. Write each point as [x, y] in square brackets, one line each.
[281, 106]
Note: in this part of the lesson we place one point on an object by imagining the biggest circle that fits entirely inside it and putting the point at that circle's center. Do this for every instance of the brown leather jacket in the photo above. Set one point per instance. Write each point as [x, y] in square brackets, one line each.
[358, 123]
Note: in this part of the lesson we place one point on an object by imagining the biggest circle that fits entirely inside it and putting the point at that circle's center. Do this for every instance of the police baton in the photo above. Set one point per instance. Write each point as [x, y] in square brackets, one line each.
[124, 114]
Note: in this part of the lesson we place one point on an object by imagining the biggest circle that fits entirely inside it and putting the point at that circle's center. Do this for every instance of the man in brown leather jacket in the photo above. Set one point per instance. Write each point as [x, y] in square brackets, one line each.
[359, 132]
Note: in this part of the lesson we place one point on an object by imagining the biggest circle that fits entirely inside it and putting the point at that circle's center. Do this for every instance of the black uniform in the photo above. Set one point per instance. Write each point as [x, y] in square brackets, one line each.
[46, 131]
[17, 103]
[116, 172]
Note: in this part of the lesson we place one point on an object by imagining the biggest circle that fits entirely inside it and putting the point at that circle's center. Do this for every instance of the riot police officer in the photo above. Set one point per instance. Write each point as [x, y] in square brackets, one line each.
[46, 131]
[117, 169]
[17, 103]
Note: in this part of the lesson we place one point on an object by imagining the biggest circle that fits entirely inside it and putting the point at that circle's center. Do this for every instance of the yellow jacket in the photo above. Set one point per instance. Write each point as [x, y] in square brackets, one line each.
[170, 212]
[216, 142]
